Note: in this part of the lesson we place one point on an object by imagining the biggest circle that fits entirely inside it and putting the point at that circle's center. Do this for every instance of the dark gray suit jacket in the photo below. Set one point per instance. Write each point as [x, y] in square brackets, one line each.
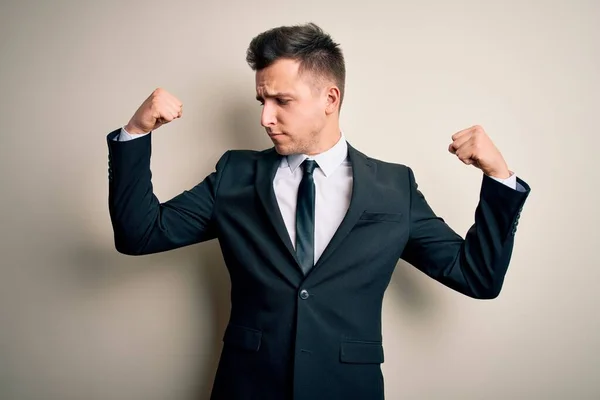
[316, 336]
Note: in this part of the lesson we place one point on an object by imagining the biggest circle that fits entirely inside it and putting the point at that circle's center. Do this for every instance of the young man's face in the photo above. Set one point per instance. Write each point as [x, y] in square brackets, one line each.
[294, 107]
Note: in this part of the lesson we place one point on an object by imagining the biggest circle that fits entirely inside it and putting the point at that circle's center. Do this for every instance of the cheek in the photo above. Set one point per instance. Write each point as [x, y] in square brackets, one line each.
[316, 119]
[311, 115]
[302, 119]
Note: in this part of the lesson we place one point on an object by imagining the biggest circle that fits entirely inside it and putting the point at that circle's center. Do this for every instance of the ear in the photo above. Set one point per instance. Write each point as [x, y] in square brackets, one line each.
[332, 99]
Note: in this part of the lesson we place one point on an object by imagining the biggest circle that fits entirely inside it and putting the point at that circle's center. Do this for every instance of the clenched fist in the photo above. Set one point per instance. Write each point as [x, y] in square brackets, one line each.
[474, 147]
[158, 109]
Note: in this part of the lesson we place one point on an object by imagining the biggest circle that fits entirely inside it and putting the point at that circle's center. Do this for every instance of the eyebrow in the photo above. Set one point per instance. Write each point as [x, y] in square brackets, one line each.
[278, 94]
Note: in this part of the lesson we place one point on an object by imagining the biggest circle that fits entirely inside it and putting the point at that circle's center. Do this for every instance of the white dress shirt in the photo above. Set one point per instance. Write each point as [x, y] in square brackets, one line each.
[333, 187]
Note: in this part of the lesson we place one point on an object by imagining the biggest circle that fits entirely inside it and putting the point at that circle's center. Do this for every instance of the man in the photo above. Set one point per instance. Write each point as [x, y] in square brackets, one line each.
[311, 229]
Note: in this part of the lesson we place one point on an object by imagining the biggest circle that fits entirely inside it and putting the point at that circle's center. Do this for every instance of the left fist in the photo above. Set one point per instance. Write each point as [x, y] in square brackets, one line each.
[474, 147]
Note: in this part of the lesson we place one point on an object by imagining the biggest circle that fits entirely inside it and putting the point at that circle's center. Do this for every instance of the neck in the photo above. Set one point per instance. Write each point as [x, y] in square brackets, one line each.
[328, 137]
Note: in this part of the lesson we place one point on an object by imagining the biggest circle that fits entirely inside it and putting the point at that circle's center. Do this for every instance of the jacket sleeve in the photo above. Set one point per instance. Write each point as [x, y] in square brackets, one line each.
[141, 223]
[476, 265]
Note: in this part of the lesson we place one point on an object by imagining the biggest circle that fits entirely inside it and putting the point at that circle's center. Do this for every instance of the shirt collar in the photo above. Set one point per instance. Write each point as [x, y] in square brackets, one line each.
[328, 161]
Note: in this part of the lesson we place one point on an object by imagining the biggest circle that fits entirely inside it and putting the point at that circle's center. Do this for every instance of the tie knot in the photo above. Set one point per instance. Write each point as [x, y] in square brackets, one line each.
[309, 166]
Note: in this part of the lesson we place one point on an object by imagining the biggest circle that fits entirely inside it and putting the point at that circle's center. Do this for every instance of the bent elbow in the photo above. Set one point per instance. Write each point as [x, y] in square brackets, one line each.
[489, 292]
[128, 248]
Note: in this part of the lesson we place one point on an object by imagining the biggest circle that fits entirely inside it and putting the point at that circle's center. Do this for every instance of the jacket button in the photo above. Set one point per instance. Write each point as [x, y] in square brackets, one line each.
[304, 294]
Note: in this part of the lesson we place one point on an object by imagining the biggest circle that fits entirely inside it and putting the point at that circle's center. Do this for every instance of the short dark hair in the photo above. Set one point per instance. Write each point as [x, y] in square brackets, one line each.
[314, 49]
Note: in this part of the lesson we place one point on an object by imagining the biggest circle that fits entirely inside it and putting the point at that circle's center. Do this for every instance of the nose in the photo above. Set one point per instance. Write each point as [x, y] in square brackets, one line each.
[267, 117]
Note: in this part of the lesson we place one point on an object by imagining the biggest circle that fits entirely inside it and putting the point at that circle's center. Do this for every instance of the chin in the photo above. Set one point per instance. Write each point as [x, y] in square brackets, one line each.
[283, 150]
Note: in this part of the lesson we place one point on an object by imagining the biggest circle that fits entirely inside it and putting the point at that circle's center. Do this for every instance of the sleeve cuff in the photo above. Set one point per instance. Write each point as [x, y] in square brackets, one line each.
[511, 181]
[124, 136]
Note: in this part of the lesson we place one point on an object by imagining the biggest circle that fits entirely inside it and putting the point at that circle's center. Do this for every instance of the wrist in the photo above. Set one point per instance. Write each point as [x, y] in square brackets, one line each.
[502, 174]
[133, 130]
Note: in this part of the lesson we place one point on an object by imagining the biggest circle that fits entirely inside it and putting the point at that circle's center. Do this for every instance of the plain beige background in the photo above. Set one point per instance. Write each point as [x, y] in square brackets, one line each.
[80, 321]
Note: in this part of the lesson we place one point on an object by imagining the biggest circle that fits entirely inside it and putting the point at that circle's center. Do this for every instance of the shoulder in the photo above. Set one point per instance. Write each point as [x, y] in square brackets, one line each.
[241, 155]
[244, 160]
[383, 167]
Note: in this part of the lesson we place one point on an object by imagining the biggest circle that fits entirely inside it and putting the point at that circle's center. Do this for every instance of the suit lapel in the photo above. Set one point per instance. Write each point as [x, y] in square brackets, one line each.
[266, 169]
[363, 175]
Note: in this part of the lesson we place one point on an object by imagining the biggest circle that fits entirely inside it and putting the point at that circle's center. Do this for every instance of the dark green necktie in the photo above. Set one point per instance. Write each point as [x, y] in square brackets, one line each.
[305, 217]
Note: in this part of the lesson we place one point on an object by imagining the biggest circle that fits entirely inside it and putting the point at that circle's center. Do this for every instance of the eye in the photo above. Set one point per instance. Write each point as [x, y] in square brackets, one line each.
[282, 102]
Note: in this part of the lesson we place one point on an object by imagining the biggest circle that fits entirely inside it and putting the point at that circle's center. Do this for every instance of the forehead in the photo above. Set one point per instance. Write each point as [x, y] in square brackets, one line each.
[282, 74]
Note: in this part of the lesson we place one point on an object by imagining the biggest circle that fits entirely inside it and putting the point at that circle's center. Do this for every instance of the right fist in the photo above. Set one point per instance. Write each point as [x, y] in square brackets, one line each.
[158, 109]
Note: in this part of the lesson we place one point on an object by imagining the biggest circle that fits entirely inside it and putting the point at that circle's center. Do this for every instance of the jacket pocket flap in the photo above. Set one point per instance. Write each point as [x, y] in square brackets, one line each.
[381, 216]
[245, 338]
[361, 352]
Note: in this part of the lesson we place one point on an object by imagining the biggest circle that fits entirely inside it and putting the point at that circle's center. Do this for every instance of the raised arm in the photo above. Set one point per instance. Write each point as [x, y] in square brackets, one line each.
[141, 223]
[476, 265]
